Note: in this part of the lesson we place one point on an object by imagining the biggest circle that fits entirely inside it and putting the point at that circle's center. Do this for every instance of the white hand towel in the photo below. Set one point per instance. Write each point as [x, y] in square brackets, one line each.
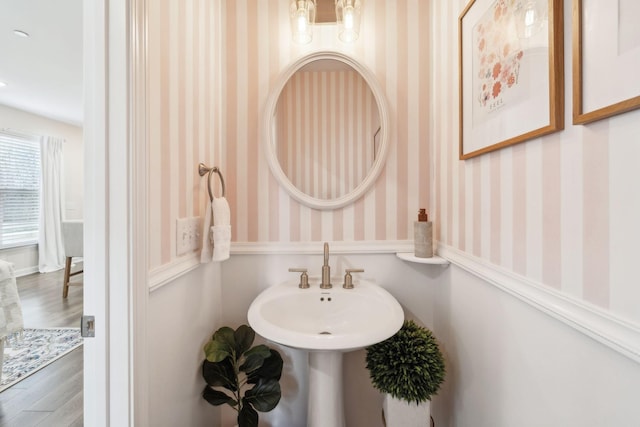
[217, 235]
[221, 230]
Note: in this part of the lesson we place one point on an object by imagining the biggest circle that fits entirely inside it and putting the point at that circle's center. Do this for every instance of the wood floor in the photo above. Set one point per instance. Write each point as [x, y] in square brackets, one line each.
[52, 396]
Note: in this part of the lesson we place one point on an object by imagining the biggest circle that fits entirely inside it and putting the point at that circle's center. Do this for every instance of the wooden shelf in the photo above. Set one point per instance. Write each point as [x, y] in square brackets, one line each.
[410, 257]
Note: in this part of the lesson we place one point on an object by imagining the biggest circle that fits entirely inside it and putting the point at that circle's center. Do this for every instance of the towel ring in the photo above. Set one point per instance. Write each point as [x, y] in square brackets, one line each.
[203, 170]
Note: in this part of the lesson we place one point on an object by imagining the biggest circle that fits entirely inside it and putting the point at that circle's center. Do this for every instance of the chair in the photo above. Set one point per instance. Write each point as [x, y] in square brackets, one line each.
[72, 233]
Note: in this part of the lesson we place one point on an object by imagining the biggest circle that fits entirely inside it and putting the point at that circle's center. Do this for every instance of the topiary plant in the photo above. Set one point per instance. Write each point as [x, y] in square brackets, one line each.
[409, 365]
[232, 364]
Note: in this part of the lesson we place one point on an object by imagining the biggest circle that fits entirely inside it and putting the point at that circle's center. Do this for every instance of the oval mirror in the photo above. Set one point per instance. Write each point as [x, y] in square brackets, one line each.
[325, 130]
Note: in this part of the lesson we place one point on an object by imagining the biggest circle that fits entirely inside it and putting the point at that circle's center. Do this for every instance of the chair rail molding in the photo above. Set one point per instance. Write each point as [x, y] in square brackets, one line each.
[311, 248]
[603, 326]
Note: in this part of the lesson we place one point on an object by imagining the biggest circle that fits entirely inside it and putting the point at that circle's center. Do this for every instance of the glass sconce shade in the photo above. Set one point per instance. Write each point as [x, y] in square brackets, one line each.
[302, 14]
[348, 19]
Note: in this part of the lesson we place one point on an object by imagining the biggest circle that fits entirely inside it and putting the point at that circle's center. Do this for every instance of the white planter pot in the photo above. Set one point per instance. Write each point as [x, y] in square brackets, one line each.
[399, 413]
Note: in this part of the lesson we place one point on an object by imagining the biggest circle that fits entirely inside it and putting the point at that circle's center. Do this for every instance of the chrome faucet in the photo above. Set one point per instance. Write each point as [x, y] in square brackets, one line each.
[326, 270]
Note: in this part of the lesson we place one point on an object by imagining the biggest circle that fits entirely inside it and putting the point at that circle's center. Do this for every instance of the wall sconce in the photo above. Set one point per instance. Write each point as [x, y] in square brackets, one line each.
[345, 13]
[348, 19]
[302, 14]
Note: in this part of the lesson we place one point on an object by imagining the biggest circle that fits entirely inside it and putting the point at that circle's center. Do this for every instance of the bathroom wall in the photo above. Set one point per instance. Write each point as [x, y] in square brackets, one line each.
[183, 108]
[183, 310]
[200, 112]
[182, 317]
[560, 210]
[558, 213]
[25, 258]
[549, 210]
[256, 49]
[510, 364]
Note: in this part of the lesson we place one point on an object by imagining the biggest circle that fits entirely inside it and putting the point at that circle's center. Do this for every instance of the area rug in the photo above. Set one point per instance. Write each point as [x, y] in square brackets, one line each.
[36, 349]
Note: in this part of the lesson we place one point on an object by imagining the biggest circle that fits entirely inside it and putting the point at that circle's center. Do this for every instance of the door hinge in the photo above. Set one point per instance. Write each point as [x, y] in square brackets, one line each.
[88, 326]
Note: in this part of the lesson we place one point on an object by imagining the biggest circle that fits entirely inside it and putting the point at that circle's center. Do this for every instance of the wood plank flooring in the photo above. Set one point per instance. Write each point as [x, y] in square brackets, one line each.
[52, 396]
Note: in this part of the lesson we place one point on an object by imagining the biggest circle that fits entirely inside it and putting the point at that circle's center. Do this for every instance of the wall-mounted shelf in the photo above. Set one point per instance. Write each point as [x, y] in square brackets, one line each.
[435, 260]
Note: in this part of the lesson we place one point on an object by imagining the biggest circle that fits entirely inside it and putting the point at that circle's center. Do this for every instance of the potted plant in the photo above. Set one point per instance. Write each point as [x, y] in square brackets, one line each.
[249, 375]
[409, 368]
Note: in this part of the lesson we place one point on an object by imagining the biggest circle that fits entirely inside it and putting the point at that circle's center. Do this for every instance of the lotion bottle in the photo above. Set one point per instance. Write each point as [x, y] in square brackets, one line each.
[423, 236]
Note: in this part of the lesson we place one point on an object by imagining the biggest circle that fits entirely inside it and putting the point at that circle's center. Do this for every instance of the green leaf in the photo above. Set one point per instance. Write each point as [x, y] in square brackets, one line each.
[254, 358]
[259, 349]
[252, 363]
[221, 346]
[216, 397]
[264, 396]
[220, 374]
[271, 369]
[247, 417]
[216, 351]
[225, 334]
[244, 337]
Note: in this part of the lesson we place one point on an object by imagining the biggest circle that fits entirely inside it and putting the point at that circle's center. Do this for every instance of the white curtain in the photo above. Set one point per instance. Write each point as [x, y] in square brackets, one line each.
[50, 244]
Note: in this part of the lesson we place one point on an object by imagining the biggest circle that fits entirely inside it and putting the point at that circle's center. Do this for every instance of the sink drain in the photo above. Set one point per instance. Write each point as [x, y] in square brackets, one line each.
[324, 333]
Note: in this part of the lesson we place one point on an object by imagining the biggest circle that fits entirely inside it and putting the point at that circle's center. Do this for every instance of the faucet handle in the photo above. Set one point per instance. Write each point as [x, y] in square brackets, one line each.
[304, 277]
[348, 280]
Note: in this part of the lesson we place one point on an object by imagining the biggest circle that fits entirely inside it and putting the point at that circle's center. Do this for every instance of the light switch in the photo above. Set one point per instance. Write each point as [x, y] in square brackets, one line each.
[188, 235]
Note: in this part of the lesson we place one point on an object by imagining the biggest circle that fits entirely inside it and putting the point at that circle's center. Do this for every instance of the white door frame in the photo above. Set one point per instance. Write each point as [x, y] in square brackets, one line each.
[116, 290]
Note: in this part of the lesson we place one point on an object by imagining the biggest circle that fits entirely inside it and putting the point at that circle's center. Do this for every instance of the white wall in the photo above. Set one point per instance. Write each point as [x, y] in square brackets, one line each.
[558, 214]
[183, 315]
[25, 258]
[509, 364]
[245, 276]
[183, 49]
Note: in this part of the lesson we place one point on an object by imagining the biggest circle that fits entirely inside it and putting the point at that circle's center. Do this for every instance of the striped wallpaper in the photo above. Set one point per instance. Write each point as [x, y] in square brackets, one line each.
[184, 114]
[257, 47]
[325, 127]
[211, 69]
[561, 210]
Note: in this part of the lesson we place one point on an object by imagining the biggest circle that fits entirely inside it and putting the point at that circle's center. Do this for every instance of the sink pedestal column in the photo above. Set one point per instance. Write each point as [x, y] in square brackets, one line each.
[326, 408]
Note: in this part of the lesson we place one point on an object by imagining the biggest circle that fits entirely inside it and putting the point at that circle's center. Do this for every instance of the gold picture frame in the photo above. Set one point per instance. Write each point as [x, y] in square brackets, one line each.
[511, 80]
[618, 90]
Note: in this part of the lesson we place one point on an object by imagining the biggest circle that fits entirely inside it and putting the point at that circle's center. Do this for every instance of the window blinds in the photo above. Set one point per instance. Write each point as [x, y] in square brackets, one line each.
[19, 190]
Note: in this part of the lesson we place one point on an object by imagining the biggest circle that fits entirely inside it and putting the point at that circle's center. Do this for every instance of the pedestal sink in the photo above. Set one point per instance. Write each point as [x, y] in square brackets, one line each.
[325, 322]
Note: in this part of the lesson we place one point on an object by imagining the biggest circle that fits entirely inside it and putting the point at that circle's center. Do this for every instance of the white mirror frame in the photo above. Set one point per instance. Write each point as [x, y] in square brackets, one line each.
[269, 137]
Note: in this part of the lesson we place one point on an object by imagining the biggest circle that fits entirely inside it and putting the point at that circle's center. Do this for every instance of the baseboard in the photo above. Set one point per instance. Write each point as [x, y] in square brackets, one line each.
[26, 271]
[619, 334]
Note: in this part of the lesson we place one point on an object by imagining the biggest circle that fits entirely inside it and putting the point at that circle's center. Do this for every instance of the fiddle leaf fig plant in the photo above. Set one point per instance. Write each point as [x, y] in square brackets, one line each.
[244, 377]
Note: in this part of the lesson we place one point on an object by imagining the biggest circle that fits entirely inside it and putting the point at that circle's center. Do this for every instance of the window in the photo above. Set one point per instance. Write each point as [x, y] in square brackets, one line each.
[19, 190]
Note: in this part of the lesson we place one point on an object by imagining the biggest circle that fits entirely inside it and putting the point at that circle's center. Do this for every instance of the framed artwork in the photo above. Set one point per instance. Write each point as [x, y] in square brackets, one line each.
[606, 58]
[511, 73]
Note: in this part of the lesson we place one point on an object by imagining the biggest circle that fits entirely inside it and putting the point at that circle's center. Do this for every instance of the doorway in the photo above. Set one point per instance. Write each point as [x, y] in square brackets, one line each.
[115, 230]
[115, 385]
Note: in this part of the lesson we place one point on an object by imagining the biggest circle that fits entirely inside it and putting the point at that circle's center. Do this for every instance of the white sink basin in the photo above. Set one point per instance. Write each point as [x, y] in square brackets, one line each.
[326, 319]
